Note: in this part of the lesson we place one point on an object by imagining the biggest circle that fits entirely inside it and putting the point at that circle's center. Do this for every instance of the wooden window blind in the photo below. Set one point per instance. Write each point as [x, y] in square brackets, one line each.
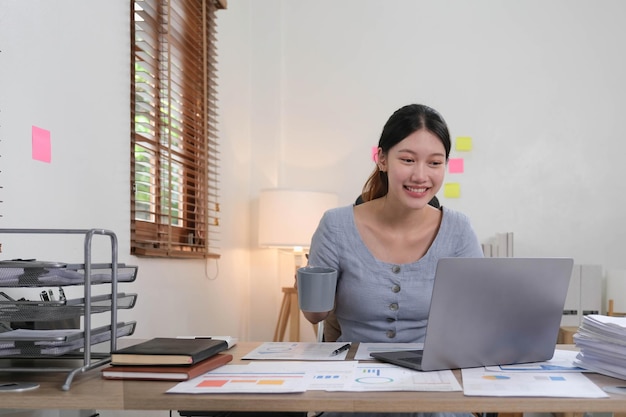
[174, 149]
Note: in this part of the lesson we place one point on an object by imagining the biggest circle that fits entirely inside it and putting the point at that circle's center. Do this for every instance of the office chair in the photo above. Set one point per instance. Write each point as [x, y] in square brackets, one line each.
[433, 201]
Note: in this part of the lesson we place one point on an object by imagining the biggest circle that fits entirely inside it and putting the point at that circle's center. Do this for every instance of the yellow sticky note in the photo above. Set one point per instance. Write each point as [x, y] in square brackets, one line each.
[452, 190]
[463, 143]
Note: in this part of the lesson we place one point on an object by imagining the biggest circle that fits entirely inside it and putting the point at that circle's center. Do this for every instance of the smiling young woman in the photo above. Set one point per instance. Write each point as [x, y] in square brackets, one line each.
[386, 248]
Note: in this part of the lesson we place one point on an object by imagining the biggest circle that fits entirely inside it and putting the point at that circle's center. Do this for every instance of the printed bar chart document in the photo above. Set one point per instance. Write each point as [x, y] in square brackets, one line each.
[299, 376]
[259, 377]
[373, 376]
[480, 382]
[562, 361]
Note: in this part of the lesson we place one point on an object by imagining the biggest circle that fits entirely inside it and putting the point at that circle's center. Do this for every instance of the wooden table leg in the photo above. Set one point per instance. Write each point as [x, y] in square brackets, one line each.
[289, 314]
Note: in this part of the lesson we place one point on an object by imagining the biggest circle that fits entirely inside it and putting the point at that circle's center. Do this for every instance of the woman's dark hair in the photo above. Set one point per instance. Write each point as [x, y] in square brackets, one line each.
[402, 123]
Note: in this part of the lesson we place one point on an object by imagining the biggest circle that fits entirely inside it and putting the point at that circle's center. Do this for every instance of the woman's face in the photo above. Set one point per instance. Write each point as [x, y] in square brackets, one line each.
[415, 168]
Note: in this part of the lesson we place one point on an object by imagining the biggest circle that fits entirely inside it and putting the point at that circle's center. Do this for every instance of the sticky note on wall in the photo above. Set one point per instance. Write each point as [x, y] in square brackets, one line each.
[452, 190]
[463, 143]
[42, 150]
[455, 165]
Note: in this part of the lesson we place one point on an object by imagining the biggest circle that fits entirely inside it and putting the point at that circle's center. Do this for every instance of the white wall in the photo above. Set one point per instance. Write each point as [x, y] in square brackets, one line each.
[305, 87]
[64, 66]
[537, 85]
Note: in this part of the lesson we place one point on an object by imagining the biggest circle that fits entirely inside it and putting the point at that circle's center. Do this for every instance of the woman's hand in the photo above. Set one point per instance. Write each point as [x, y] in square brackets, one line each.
[315, 317]
[312, 316]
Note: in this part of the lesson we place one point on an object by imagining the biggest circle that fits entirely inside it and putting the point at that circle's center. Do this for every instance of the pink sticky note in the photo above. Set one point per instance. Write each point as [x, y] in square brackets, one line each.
[375, 153]
[455, 165]
[41, 144]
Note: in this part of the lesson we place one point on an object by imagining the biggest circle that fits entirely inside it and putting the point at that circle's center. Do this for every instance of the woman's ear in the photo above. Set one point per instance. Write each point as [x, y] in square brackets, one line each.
[381, 160]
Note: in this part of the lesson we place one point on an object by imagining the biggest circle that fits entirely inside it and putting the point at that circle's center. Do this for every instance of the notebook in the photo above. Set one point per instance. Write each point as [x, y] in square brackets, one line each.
[168, 351]
[490, 311]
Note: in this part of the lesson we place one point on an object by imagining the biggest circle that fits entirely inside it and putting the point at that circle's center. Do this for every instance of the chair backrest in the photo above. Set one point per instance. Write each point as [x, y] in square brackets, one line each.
[433, 202]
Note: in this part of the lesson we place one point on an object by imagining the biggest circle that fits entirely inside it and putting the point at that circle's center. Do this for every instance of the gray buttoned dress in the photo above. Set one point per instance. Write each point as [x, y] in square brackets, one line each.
[378, 301]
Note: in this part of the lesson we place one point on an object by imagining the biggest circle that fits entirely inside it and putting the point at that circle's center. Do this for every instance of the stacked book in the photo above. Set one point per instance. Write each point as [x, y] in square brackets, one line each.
[602, 343]
[161, 358]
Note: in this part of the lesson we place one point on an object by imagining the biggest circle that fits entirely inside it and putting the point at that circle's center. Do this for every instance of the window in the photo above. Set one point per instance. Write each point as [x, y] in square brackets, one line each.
[174, 155]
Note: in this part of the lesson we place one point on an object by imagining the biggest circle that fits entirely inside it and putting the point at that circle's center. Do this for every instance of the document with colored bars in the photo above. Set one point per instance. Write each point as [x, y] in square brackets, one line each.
[296, 376]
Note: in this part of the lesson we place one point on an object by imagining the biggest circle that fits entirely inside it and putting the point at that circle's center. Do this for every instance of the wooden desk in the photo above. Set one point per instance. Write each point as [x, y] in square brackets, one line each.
[90, 391]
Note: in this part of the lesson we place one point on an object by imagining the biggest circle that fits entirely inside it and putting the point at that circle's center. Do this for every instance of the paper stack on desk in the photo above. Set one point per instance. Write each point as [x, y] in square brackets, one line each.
[602, 343]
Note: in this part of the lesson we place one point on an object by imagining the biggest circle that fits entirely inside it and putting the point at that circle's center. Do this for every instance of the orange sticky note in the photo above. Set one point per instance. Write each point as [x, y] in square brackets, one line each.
[455, 166]
[452, 190]
[42, 149]
[463, 143]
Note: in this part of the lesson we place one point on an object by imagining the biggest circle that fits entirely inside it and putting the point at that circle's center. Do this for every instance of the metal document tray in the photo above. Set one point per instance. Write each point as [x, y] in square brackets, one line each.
[36, 343]
[12, 311]
[42, 273]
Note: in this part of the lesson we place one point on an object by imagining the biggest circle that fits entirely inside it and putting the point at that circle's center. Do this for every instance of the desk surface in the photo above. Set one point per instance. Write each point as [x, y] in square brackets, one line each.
[90, 391]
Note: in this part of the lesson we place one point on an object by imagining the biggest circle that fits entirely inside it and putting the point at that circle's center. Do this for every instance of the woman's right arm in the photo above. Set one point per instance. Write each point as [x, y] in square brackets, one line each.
[323, 252]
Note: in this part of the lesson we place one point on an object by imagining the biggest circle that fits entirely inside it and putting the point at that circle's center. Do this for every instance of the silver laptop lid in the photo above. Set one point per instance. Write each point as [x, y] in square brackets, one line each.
[490, 311]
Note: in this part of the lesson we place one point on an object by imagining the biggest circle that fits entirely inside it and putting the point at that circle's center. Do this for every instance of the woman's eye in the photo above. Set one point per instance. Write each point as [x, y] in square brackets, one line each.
[407, 160]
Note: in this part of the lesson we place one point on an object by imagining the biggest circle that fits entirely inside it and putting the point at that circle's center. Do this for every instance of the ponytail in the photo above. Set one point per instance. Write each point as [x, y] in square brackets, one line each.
[376, 185]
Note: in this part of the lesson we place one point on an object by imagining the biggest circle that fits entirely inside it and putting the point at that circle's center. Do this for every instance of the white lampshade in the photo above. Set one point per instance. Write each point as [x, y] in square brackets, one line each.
[288, 218]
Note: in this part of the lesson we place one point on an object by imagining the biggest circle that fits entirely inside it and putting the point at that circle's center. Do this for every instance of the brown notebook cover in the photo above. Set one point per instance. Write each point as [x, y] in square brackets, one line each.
[168, 351]
[162, 372]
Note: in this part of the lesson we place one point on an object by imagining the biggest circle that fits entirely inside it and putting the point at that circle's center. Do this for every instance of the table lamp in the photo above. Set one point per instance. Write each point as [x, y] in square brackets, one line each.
[288, 218]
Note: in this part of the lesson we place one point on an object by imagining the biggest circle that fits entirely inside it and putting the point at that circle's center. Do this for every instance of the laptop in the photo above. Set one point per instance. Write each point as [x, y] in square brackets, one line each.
[490, 311]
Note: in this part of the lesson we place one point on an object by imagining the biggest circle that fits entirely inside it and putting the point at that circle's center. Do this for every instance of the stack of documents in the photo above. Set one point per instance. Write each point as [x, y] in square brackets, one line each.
[602, 344]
